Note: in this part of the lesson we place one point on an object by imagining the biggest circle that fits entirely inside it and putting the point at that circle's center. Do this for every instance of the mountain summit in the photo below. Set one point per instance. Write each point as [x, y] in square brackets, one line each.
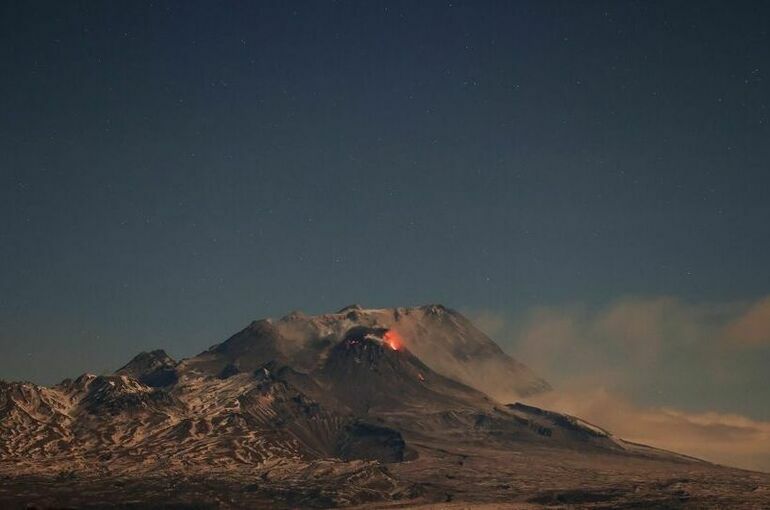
[361, 406]
[440, 337]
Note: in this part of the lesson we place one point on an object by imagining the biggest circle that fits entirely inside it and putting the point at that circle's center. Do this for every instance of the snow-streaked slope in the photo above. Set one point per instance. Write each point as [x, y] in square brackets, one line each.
[337, 409]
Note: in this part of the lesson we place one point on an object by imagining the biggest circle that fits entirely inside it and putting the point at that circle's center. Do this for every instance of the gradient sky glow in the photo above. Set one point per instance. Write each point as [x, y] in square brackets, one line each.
[170, 171]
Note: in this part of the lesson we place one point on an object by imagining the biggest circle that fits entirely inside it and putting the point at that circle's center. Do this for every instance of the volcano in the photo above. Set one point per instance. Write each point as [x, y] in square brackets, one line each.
[391, 407]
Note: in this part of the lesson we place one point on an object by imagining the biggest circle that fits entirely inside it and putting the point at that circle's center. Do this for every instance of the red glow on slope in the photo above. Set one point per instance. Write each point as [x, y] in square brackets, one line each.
[393, 339]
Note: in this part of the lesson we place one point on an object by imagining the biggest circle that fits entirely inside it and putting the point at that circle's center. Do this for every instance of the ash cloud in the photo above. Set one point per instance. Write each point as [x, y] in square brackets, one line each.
[724, 438]
[752, 328]
[678, 375]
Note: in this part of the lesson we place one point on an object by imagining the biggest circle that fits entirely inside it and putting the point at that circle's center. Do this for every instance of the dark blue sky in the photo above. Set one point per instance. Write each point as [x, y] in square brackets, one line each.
[172, 170]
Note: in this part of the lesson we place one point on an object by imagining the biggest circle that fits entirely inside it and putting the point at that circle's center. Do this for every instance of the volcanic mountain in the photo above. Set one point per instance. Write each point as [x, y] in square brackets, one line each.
[389, 406]
[442, 338]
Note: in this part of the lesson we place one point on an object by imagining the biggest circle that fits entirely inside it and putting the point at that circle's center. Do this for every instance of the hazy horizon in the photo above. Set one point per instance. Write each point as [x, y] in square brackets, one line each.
[586, 180]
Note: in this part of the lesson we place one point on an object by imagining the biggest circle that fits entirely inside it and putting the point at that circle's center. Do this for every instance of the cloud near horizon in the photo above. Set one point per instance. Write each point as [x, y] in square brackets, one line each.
[752, 328]
[724, 438]
[687, 377]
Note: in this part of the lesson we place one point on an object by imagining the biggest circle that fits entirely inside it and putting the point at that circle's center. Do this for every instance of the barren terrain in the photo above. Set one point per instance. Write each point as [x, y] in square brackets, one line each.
[361, 408]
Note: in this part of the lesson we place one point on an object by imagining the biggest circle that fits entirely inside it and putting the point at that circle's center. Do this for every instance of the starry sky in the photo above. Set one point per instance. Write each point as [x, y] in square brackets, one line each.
[172, 170]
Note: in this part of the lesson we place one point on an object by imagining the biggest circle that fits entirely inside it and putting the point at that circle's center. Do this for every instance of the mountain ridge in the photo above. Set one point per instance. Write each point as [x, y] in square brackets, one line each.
[441, 337]
[361, 405]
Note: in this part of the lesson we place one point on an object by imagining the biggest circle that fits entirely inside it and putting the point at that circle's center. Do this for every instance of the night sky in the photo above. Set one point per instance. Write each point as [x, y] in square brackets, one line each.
[170, 171]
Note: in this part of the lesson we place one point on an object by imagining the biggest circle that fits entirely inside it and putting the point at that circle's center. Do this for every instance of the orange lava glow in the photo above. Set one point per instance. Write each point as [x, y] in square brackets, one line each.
[393, 339]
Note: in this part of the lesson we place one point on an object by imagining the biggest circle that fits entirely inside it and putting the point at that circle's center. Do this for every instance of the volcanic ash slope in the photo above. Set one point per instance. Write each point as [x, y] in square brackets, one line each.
[387, 406]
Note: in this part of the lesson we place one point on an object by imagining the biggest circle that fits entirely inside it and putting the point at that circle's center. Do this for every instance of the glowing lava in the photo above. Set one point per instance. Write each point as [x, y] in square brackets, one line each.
[393, 339]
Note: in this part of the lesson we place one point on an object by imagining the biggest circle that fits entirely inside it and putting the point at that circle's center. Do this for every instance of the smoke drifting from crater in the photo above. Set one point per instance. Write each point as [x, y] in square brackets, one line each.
[660, 370]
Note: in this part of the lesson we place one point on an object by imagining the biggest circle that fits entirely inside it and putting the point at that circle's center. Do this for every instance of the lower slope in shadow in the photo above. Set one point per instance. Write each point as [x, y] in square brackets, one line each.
[373, 375]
